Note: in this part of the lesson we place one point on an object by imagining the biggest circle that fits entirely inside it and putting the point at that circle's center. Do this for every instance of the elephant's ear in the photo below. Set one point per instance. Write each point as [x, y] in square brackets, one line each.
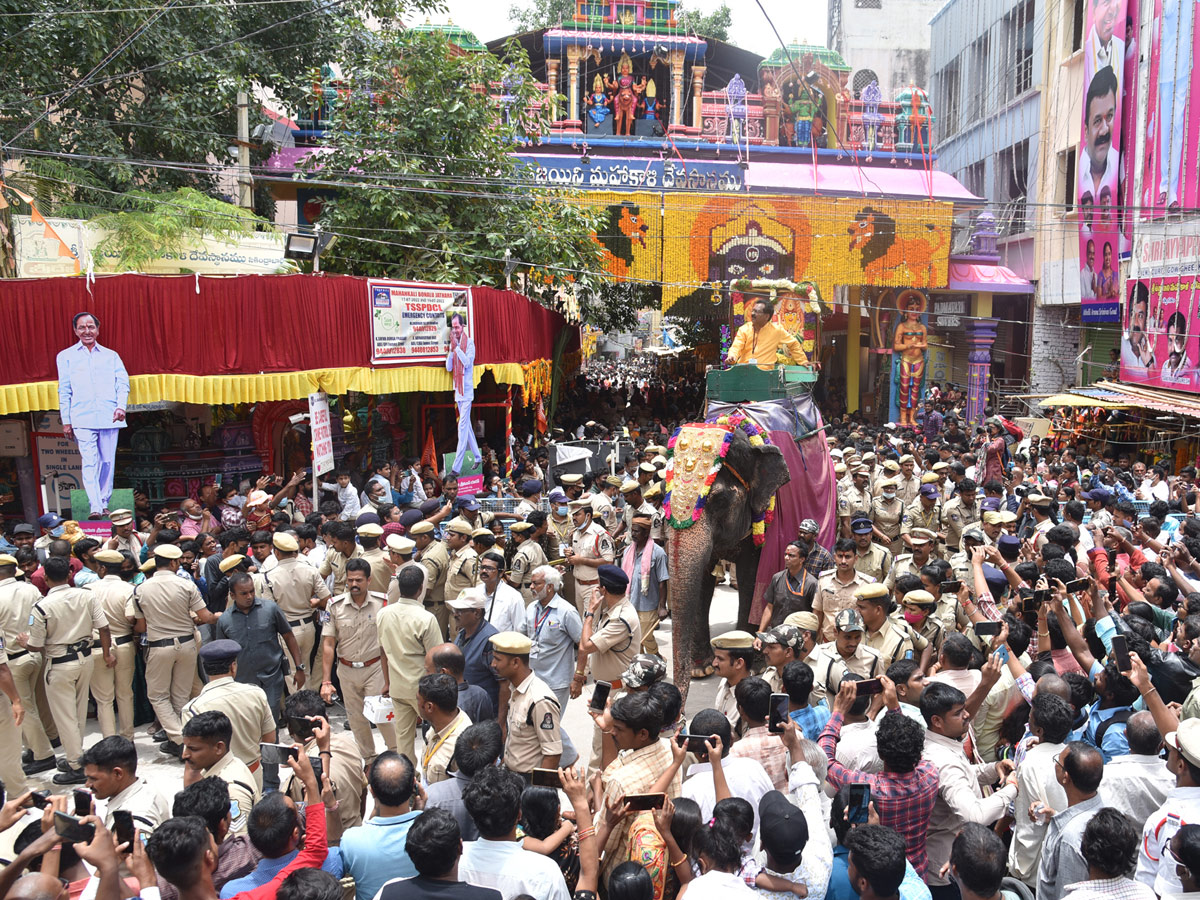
[770, 474]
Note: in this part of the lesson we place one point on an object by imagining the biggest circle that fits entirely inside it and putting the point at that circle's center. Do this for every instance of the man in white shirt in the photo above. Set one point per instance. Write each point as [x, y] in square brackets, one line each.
[1101, 162]
[1156, 866]
[1050, 721]
[1137, 782]
[497, 860]
[1087, 274]
[746, 777]
[504, 606]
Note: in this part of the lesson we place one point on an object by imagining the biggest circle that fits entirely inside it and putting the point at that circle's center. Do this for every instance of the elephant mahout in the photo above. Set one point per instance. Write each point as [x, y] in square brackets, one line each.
[739, 484]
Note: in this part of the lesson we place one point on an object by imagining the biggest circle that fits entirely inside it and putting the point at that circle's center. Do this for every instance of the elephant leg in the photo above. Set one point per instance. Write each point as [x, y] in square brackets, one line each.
[747, 573]
[689, 560]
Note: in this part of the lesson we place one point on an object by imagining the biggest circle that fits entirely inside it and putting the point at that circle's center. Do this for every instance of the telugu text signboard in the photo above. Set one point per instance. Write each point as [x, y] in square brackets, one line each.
[408, 320]
[322, 435]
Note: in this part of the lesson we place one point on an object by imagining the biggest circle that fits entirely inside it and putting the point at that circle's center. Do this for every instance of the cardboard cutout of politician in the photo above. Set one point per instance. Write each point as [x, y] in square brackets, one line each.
[460, 363]
[93, 388]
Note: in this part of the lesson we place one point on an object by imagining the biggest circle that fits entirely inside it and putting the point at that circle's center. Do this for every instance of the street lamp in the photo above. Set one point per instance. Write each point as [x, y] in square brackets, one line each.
[301, 245]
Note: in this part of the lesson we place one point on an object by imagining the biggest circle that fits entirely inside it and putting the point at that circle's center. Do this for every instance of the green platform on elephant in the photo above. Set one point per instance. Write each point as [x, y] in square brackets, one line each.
[752, 383]
[122, 498]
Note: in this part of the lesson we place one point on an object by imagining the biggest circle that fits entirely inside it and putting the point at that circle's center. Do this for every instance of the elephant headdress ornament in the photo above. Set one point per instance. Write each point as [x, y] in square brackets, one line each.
[696, 453]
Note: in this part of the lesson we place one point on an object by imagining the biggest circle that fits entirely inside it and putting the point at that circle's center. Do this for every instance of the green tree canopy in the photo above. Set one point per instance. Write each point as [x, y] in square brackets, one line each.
[424, 184]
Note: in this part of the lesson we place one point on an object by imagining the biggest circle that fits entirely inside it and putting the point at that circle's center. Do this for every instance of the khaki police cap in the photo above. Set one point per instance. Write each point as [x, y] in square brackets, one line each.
[458, 526]
[167, 551]
[104, 556]
[652, 491]
[613, 480]
[120, 516]
[7, 559]
[581, 503]
[370, 529]
[733, 640]
[149, 565]
[230, 563]
[511, 642]
[629, 486]
[421, 528]
[891, 466]
[1039, 500]
[482, 532]
[922, 536]
[659, 461]
[571, 479]
[839, 469]
[398, 543]
[806, 621]
[992, 518]
[285, 542]
[888, 482]
[868, 457]
[1006, 516]
[920, 598]
[940, 466]
[870, 591]
[907, 458]
[520, 527]
[929, 478]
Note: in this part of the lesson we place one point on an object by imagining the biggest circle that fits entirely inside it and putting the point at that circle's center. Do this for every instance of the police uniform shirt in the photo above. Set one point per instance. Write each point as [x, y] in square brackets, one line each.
[354, 628]
[726, 703]
[604, 512]
[114, 594]
[833, 596]
[908, 488]
[894, 641]
[957, 518]
[527, 558]
[345, 768]
[16, 603]
[592, 542]
[658, 524]
[534, 725]
[167, 604]
[774, 678]
[483, 519]
[875, 562]
[617, 635]
[902, 565]
[148, 806]
[393, 591]
[916, 516]
[523, 509]
[407, 631]
[854, 502]
[887, 516]
[244, 791]
[865, 662]
[436, 560]
[436, 759]
[557, 534]
[381, 569]
[248, 710]
[335, 565]
[644, 510]
[931, 631]
[294, 583]
[63, 619]
[827, 674]
[462, 571]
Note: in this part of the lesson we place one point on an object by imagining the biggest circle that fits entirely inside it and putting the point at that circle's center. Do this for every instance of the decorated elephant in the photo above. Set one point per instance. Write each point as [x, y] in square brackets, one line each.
[737, 490]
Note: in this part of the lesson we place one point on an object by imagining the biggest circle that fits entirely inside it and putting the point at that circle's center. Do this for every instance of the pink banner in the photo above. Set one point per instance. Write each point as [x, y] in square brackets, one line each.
[1172, 117]
[1099, 166]
[1129, 122]
[1160, 345]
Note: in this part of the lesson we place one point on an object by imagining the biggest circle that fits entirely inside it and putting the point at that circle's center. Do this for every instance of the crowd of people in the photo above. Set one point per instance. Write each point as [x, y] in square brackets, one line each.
[980, 684]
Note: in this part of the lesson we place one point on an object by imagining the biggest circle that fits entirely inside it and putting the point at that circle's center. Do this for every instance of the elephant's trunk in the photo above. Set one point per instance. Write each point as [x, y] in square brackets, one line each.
[689, 561]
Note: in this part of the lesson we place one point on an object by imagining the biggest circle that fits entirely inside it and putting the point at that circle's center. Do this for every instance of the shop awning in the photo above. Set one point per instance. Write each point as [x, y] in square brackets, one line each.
[993, 278]
[1114, 395]
[1079, 401]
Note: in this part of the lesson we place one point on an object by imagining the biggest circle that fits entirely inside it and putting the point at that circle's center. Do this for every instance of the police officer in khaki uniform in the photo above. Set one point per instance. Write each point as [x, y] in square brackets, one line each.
[959, 513]
[827, 671]
[635, 505]
[591, 547]
[604, 509]
[527, 557]
[434, 558]
[400, 556]
[611, 633]
[836, 587]
[369, 535]
[16, 603]
[923, 513]
[909, 480]
[462, 571]
[780, 645]
[114, 685]
[572, 486]
[164, 605]
[849, 648]
[352, 638]
[887, 512]
[912, 563]
[407, 631]
[919, 610]
[873, 560]
[892, 640]
[890, 470]
[297, 589]
[653, 496]
[61, 625]
[12, 713]
[534, 719]
[855, 501]
[342, 548]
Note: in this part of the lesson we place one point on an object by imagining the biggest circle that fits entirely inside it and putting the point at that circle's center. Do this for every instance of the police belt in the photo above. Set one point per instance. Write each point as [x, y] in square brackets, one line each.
[303, 621]
[74, 651]
[123, 639]
[168, 642]
[358, 665]
[17, 655]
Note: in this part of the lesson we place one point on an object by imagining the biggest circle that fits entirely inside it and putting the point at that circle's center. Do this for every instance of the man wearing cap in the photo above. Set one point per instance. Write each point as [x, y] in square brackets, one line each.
[591, 547]
[959, 513]
[534, 720]
[653, 495]
[114, 684]
[462, 569]
[734, 659]
[400, 556]
[816, 558]
[780, 645]
[124, 536]
[922, 543]
[474, 640]
[61, 624]
[16, 603]
[887, 513]
[872, 559]
[51, 526]
[604, 510]
[909, 482]
[261, 629]
[960, 562]
[369, 536]
[992, 525]
[611, 632]
[1039, 508]
[645, 563]
[635, 505]
[855, 500]
[890, 639]
[849, 646]
[527, 556]
[572, 485]
[407, 631]
[164, 606]
[342, 548]
[835, 589]
[531, 495]
[245, 705]
[352, 638]
[298, 590]
[434, 557]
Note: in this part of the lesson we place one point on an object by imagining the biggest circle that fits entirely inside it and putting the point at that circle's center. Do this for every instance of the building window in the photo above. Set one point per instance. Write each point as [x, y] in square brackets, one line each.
[977, 102]
[1066, 163]
[1012, 186]
[1078, 8]
[947, 99]
[1018, 27]
[972, 178]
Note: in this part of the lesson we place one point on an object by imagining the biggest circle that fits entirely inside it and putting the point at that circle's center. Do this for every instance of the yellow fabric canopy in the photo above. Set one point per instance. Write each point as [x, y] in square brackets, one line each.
[214, 389]
[1081, 401]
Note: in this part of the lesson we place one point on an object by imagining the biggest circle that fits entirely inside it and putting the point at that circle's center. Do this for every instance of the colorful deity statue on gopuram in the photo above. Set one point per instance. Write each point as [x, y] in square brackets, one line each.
[626, 92]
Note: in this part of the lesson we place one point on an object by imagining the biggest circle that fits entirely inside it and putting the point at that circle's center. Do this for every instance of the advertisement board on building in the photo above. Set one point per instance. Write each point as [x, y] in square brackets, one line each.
[1100, 171]
[408, 320]
[1160, 337]
[1172, 124]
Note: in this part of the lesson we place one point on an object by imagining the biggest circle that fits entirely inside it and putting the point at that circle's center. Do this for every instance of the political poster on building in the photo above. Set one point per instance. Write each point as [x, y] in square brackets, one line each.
[409, 323]
[1100, 172]
[1129, 122]
[1160, 343]
[1172, 111]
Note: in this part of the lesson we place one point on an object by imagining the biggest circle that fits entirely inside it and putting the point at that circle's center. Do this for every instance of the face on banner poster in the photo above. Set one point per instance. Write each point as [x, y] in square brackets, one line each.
[1172, 125]
[1100, 162]
[1127, 199]
[1160, 345]
[408, 320]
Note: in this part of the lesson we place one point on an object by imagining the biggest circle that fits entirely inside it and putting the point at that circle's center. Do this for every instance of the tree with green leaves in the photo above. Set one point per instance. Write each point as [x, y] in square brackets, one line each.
[714, 25]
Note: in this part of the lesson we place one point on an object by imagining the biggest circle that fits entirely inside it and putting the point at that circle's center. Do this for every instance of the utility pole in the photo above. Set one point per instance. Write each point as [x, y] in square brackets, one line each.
[245, 182]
